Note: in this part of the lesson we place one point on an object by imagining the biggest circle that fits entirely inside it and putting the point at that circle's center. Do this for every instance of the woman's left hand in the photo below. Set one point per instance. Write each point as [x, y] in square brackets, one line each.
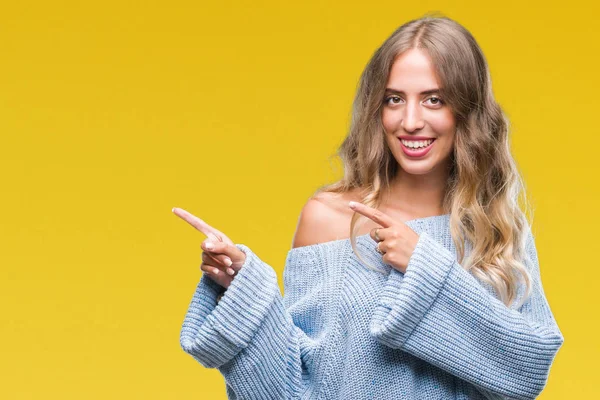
[396, 240]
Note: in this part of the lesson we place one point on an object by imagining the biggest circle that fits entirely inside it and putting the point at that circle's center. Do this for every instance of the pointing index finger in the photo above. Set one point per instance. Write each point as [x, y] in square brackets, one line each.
[372, 213]
[198, 223]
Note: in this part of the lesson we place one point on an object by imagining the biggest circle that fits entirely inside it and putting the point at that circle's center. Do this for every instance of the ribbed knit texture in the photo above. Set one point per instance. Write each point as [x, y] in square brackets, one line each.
[343, 331]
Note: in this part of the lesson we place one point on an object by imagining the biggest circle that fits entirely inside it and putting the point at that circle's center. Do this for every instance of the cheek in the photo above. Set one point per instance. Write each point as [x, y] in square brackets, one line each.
[389, 120]
[444, 127]
[443, 124]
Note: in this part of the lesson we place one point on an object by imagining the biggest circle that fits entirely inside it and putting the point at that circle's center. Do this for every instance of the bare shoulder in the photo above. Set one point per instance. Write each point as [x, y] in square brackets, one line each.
[324, 217]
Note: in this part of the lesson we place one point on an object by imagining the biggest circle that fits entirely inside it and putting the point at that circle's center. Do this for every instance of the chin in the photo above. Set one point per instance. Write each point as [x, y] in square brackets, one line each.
[416, 170]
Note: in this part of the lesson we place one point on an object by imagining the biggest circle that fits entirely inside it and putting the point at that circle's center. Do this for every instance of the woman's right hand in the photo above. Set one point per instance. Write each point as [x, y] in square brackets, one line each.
[224, 259]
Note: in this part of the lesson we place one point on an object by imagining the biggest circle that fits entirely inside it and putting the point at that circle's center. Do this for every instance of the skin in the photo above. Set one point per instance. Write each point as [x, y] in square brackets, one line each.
[417, 190]
[395, 240]
[215, 259]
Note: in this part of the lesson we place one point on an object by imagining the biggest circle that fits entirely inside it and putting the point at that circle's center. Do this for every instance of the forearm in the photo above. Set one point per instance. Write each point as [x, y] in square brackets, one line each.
[440, 313]
[249, 327]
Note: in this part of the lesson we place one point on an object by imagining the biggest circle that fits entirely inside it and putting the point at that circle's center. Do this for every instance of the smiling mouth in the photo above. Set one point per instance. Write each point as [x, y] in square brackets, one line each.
[423, 143]
[416, 152]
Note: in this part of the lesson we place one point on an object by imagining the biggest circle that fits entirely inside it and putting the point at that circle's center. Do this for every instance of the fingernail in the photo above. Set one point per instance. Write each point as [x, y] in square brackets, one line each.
[352, 204]
[228, 262]
[173, 209]
[209, 246]
[215, 271]
[230, 271]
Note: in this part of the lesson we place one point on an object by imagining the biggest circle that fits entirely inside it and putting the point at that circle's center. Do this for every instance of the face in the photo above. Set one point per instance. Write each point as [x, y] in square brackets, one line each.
[412, 109]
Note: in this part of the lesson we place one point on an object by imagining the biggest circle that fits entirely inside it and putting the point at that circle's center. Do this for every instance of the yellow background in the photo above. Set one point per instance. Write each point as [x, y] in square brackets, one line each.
[112, 113]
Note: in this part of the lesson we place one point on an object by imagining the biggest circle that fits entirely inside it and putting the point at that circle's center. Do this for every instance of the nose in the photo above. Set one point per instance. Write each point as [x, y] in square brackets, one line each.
[412, 119]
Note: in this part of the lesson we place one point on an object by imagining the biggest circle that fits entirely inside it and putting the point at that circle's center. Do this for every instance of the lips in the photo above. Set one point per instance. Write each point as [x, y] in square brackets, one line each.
[416, 153]
[407, 137]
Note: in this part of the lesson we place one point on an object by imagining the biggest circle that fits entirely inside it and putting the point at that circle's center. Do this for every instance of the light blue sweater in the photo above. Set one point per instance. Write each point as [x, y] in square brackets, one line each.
[343, 331]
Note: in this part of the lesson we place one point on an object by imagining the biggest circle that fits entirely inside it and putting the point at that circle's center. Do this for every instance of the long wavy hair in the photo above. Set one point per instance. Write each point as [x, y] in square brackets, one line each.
[484, 186]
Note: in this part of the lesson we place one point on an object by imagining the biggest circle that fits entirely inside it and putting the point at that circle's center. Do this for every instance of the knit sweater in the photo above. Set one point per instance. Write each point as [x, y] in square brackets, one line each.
[343, 331]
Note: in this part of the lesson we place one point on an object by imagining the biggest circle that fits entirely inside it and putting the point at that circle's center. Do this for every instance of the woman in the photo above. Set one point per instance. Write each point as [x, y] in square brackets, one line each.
[427, 163]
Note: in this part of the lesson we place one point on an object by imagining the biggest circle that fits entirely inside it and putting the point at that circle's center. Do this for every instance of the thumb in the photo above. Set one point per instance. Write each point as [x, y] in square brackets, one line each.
[212, 237]
[223, 251]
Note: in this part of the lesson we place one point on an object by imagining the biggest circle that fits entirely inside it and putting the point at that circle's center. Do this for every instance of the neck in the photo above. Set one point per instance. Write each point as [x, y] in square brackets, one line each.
[420, 195]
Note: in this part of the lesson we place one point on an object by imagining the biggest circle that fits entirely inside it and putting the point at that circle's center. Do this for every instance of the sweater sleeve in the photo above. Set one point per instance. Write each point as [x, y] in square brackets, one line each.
[439, 312]
[248, 335]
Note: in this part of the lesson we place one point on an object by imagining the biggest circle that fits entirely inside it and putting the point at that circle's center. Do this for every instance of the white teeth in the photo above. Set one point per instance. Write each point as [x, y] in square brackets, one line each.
[416, 144]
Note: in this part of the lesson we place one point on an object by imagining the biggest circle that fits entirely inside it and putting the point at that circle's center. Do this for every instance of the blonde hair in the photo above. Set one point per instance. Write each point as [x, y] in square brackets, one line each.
[482, 192]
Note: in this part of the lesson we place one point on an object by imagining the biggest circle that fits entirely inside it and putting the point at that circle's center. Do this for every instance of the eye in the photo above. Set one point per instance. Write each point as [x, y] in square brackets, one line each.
[436, 100]
[387, 99]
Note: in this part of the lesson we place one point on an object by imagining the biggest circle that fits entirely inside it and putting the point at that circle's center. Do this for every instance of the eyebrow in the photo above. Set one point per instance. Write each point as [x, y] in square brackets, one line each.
[430, 91]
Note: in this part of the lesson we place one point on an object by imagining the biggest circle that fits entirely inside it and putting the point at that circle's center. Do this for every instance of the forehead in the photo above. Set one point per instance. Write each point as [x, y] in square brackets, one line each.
[412, 71]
